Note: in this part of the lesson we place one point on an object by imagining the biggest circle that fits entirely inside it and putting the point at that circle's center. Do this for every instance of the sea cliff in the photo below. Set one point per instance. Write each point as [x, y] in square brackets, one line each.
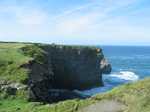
[49, 73]
[26, 75]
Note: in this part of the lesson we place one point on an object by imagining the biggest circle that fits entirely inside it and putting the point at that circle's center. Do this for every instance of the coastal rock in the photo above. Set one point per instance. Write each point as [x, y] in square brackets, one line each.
[62, 94]
[66, 68]
[41, 92]
[77, 67]
[40, 81]
[105, 66]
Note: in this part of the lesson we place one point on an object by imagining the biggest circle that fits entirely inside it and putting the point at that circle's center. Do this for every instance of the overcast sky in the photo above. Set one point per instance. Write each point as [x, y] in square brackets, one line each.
[101, 22]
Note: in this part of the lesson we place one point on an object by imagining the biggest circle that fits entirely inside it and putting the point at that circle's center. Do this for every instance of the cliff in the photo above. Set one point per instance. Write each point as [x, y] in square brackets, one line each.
[49, 73]
[66, 68]
[19, 64]
[77, 67]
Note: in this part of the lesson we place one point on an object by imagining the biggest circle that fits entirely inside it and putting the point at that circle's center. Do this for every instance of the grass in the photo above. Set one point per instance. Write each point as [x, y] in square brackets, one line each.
[13, 55]
[20, 105]
[11, 58]
[35, 51]
[135, 96]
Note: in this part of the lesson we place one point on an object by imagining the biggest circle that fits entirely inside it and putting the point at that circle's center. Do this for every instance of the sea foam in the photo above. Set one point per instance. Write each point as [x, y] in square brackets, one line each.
[125, 75]
[112, 80]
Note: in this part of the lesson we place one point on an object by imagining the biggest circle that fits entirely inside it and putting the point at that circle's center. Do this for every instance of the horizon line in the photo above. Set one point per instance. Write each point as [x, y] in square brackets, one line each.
[102, 45]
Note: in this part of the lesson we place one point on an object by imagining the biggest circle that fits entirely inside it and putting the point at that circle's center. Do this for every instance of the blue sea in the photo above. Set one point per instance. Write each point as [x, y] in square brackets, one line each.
[129, 64]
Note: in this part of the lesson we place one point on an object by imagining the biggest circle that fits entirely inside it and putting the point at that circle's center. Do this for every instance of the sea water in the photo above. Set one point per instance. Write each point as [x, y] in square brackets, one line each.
[129, 64]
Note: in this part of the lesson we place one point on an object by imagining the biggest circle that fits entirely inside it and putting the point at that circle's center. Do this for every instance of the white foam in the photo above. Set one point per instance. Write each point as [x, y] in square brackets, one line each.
[112, 80]
[126, 75]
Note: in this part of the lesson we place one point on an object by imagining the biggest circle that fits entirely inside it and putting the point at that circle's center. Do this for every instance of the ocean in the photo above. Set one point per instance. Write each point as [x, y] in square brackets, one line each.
[129, 64]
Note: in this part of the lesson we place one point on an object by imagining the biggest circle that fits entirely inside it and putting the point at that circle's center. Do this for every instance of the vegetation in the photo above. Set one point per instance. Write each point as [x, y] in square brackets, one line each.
[135, 95]
[35, 51]
[13, 55]
[11, 59]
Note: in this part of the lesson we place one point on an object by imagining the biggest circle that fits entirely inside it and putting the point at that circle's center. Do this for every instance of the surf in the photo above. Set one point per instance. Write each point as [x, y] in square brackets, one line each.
[113, 80]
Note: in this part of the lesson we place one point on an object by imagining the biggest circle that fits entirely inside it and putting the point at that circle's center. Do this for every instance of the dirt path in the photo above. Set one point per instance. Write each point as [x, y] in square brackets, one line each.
[104, 106]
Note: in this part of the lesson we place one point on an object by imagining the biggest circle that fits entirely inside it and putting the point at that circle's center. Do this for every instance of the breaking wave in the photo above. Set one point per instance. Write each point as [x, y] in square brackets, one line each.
[125, 75]
[113, 80]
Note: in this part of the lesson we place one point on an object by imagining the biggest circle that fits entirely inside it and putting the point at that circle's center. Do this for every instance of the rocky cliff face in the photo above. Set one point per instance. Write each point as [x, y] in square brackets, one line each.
[52, 72]
[77, 67]
[67, 68]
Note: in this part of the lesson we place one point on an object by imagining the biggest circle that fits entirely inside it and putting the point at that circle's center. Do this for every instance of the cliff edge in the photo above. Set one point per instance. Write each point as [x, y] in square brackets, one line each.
[49, 73]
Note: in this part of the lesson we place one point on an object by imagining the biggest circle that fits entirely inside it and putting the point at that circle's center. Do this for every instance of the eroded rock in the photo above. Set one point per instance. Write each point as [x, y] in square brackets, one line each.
[66, 68]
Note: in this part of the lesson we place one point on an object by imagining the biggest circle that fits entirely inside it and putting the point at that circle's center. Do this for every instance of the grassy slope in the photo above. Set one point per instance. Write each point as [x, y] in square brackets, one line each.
[135, 96]
[11, 59]
[13, 55]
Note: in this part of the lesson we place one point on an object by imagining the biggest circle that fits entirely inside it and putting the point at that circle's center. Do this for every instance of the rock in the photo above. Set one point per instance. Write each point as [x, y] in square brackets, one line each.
[11, 91]
[17, 86]
[66, 68]
[40, 80]
[62, 94]
[12, 88]
[105, 66]
[52, 95]
[3, 82]
[76, 67]
[39, 91]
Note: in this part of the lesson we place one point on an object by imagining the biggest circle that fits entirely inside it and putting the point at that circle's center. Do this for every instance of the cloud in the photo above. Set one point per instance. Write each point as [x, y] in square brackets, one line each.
[99, 21]
[79, 21]
[32, 18]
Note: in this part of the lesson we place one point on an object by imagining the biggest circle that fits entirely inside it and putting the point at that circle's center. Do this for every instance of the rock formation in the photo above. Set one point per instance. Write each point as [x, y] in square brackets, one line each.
[52, 72]
[77, 67]
[67, 68]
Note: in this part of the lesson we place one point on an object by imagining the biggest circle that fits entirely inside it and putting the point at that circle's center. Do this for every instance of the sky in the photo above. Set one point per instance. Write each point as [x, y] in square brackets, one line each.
[87, 22]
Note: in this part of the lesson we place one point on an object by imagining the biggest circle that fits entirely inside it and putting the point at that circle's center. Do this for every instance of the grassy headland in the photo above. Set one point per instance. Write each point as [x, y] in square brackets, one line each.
[135, 96]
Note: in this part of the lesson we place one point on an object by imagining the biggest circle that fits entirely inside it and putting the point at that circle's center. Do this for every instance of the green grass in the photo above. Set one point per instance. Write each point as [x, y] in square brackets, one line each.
[11, 58]
[20, 105]
[35, 51]
[136, 96]
[13, 55]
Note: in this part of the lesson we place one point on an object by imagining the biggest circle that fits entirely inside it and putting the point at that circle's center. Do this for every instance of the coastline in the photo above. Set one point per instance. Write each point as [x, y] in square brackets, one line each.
[123, 97]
